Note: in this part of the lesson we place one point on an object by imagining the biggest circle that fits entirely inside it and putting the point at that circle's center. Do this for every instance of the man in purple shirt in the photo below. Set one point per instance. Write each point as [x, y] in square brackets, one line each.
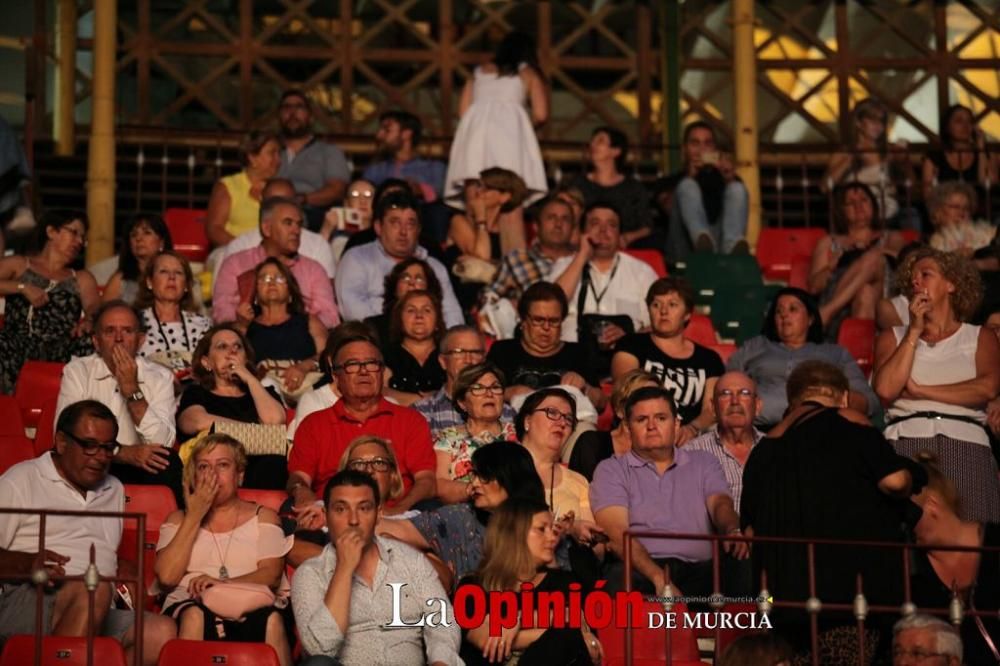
[281, 233]
[658, 487]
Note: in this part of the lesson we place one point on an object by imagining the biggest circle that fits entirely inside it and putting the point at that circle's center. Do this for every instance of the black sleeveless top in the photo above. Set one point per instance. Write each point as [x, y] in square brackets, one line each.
[288, 341]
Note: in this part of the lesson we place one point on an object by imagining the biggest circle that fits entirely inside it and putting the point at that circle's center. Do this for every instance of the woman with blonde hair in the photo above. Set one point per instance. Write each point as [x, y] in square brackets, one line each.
[937, 375]
[221, 559]
[520, 548]
[373, 455]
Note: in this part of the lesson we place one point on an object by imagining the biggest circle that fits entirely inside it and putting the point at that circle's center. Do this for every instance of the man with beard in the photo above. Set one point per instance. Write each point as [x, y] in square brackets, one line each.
[318, 169]
[711, 205]
[396, 141]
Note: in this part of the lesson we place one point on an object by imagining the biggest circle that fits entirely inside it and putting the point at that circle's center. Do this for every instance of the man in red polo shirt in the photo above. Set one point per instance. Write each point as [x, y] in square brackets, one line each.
[323, 436]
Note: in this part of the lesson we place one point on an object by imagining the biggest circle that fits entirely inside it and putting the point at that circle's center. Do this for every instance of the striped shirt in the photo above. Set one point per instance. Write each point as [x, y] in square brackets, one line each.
[711, 443]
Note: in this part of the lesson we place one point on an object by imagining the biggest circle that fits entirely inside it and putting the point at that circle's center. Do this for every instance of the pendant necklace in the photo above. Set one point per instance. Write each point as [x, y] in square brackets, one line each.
[223, 572]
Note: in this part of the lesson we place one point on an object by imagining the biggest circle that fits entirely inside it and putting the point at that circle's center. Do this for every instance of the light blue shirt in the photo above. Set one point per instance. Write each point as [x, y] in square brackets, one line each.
[361, 275]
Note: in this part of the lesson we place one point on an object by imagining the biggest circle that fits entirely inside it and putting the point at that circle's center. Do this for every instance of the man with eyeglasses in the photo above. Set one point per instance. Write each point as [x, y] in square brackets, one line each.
[73, 476]
[316, 167]
[323, 436]
[311, 244]
[396, 140]
[656, 486]
[733, 437]
[924, 639]
[281, 228]
[460, 347]
[362, 270]
[139, 393]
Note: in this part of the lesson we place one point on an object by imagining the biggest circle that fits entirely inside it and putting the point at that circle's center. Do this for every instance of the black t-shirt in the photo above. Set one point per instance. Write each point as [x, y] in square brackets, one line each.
[407, 373]
[240, 408]
[520, 367]
[686, 378]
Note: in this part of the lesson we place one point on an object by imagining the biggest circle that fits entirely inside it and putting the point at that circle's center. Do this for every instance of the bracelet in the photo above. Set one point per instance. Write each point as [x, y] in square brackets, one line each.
[735, 530]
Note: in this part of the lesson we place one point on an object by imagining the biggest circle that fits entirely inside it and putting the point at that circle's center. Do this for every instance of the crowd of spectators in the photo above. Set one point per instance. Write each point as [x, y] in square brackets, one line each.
[495, 393]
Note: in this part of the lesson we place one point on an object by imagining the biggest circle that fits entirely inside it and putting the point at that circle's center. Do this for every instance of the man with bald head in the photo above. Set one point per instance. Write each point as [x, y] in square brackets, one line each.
[733, 437]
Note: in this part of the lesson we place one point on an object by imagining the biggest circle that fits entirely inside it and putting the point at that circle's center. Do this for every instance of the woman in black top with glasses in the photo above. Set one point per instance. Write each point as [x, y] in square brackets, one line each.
[538, 357]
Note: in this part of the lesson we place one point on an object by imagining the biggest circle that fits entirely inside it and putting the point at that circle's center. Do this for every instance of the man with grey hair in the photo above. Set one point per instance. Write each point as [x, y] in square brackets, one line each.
[923, 639]
[281, 225]
[460, 347]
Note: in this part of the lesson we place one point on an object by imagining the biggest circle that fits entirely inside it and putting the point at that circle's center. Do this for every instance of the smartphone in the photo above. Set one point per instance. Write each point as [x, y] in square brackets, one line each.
[348, 219]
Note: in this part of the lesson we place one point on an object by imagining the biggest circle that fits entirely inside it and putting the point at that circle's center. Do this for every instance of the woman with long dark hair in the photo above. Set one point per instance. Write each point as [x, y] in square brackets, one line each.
[145, 237]
[45, 296]
[793, 332]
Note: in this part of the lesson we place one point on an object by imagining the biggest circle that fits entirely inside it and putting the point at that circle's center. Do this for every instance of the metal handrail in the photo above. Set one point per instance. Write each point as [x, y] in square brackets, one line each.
[860, 607]
[40, 578]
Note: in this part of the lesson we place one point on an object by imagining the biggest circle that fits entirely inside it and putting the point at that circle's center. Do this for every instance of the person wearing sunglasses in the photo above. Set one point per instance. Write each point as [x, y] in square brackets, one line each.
[478, 393]
[73, 476]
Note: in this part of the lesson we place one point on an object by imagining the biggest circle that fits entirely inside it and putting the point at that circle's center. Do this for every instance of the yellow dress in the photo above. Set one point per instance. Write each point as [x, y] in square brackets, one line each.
[244, 210]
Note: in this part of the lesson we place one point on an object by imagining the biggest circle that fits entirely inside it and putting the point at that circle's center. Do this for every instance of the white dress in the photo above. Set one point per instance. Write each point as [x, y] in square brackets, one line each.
[496, 132]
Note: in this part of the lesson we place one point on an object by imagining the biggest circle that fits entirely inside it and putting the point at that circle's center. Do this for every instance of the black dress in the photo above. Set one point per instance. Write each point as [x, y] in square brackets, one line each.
[287, 341]
[820, 479]
[521, 368]
[407, 373]
[555, 647]
[267, 472]
[686, 378]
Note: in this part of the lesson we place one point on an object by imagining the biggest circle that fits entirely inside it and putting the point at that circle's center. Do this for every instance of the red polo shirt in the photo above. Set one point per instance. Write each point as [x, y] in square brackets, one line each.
[323, 436]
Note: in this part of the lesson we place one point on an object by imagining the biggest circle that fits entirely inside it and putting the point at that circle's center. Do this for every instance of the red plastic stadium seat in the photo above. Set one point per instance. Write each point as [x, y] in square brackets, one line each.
[800, 273]
[203, 653]
[187, 231]
[649, 646]
[724, 350]
[11, 422]
[701, 330]
[14, 449]
[37, 383]
[272, 499]
[157, 502]
[46, 430]
[910, 235]
[652, 257]
[858, 337]
[777, 248]
[61, 651]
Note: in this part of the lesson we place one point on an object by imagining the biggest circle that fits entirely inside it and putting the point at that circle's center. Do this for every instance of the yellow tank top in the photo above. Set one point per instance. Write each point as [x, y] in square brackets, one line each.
[244, 210]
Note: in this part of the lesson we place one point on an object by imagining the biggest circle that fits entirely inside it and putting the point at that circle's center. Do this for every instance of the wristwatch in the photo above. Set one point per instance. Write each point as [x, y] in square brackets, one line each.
[135, 397]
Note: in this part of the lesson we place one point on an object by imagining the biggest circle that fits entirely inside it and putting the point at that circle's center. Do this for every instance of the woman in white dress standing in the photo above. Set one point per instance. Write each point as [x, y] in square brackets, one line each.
[495, 129]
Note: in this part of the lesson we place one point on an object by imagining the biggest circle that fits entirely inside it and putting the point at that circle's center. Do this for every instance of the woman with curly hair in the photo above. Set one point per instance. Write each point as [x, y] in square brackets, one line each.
[937, 374]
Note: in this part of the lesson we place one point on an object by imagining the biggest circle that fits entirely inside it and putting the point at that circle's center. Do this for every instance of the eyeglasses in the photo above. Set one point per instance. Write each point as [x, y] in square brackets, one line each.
[413, 279]
[370, 465]
[468, 353]
[90, 447]
[363, 194]
[914, 655]
[546, 322]
[272, 279]
[355, 367]
[554, 414]
[481, 389]
[742, 394]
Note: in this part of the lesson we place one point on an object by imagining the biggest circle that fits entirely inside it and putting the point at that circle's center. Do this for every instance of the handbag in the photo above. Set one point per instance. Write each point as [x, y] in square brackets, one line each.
[257, 438]
[231, 601]
[274, 371]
